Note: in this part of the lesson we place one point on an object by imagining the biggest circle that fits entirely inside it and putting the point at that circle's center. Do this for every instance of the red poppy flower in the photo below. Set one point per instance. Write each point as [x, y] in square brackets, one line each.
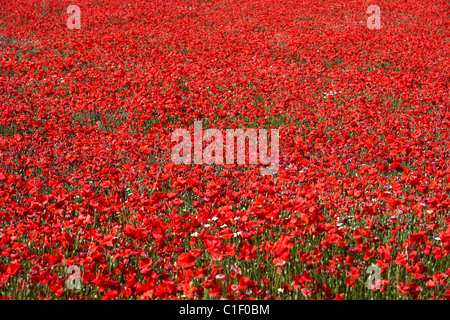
[186, 260]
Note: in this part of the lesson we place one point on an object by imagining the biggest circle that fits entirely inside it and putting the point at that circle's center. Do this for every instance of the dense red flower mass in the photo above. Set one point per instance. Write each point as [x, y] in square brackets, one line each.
[358, 209]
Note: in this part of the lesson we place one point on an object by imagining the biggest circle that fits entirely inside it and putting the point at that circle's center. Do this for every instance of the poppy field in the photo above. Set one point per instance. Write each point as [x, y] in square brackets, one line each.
[92, 205]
